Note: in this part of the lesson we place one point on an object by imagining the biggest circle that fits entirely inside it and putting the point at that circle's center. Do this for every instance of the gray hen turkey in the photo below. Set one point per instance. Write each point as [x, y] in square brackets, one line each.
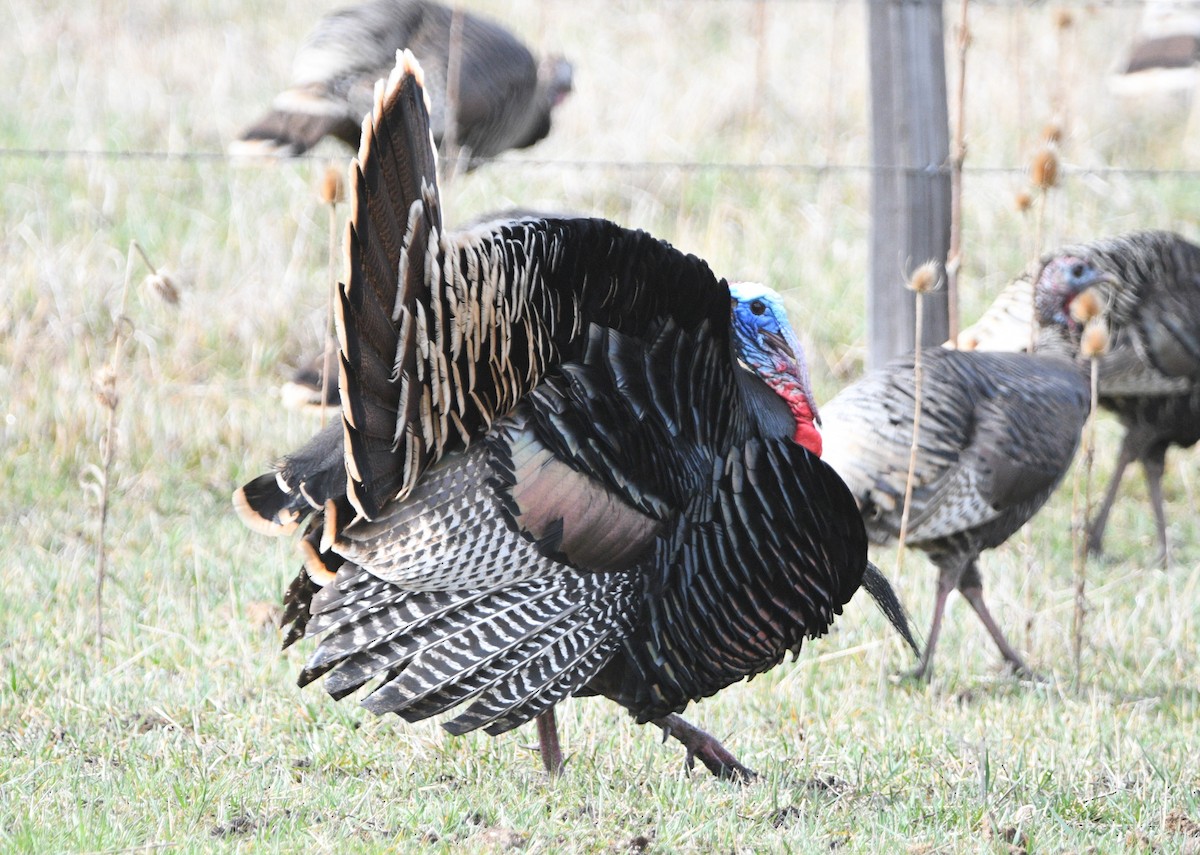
[998, 432]
[571, 461]
[1150, 376]
[505, 97]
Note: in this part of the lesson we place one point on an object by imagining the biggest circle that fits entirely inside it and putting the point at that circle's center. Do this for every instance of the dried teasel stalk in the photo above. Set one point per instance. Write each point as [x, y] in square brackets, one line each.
[925, 278]
[332, 188]
[1086, 307]
[332, 192]
[104, 387]
[162, 285]
[958, 156]
[1043, 170]
[1093, 344]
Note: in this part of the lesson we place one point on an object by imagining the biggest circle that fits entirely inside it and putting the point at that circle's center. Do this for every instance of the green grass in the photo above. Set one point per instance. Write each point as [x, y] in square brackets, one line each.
[184, 729]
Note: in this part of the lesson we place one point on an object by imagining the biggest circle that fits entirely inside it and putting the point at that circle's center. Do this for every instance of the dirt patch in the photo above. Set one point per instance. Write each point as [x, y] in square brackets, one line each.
[1178, 822]
[262, 614]
[146, 722]
[640, 843]
[498, 839]
[237, 826]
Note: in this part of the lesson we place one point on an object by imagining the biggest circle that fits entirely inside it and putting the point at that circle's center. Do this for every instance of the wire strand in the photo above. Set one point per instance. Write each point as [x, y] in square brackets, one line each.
[219, 157]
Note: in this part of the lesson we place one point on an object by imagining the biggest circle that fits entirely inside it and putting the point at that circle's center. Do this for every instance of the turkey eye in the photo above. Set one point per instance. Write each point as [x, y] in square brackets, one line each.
[758, 307]
[1077, 271]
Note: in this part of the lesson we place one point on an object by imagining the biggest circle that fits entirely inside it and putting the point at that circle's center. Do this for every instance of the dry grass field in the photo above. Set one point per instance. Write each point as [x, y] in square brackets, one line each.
[183, 729]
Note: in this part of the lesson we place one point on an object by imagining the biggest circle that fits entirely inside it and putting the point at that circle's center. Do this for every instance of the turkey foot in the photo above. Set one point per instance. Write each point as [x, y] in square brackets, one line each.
[705, 746]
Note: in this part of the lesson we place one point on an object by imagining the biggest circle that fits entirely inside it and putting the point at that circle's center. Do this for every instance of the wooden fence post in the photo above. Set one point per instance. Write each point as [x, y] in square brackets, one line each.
[910, 188]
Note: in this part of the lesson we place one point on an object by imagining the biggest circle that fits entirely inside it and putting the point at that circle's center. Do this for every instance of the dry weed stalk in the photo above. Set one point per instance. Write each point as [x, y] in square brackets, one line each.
[924, 279]
[160, 282]
[106, 383]
[1092, 346]
[450, 139]
[332, 192]
[1064, 24]
[954, 253]
[1044, 176]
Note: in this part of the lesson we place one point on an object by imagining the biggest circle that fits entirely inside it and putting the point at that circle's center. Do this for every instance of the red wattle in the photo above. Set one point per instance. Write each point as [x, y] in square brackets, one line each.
[808, 436]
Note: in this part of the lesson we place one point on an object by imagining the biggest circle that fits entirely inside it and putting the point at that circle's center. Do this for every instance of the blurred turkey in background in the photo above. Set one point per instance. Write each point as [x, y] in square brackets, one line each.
[503, 96]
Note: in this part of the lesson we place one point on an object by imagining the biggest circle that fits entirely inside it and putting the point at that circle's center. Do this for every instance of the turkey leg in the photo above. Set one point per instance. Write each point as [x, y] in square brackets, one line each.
[551, 751]
[1153, 464]
[1095, 534]
[947, 582]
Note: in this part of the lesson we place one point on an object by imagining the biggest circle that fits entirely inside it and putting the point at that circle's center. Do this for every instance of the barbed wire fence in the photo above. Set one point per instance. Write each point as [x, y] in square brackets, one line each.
[812, 169]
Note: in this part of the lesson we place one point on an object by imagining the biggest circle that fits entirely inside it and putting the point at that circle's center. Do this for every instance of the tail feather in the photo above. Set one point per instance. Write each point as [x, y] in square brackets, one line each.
[514, 649]
[395, 211]
[437, 636]
[302, 483]
[877, 585]
[447, 659]
[296, 604]
[265, 507]
[549, 678]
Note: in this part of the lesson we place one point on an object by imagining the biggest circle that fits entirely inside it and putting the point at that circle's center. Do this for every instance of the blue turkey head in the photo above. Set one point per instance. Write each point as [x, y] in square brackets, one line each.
[1063, 278]
[767, 346]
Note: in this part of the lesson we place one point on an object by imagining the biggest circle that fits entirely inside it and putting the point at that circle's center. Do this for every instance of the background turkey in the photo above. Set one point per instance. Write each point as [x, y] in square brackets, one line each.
[505, 97]
[307, 388]
[998, 432]
[553, 475]
[1150, 377]
[1153, 423]
[1164, 54]
[1005, 324]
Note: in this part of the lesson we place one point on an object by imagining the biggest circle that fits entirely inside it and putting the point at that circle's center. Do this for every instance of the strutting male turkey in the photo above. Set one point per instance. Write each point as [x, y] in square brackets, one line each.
[571, 461]
[1150, 376]
[504, 96]
[998, 432]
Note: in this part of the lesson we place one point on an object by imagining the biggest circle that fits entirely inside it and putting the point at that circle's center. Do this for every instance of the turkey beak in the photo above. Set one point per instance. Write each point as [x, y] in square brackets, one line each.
[791, 353]
[1103, 277]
